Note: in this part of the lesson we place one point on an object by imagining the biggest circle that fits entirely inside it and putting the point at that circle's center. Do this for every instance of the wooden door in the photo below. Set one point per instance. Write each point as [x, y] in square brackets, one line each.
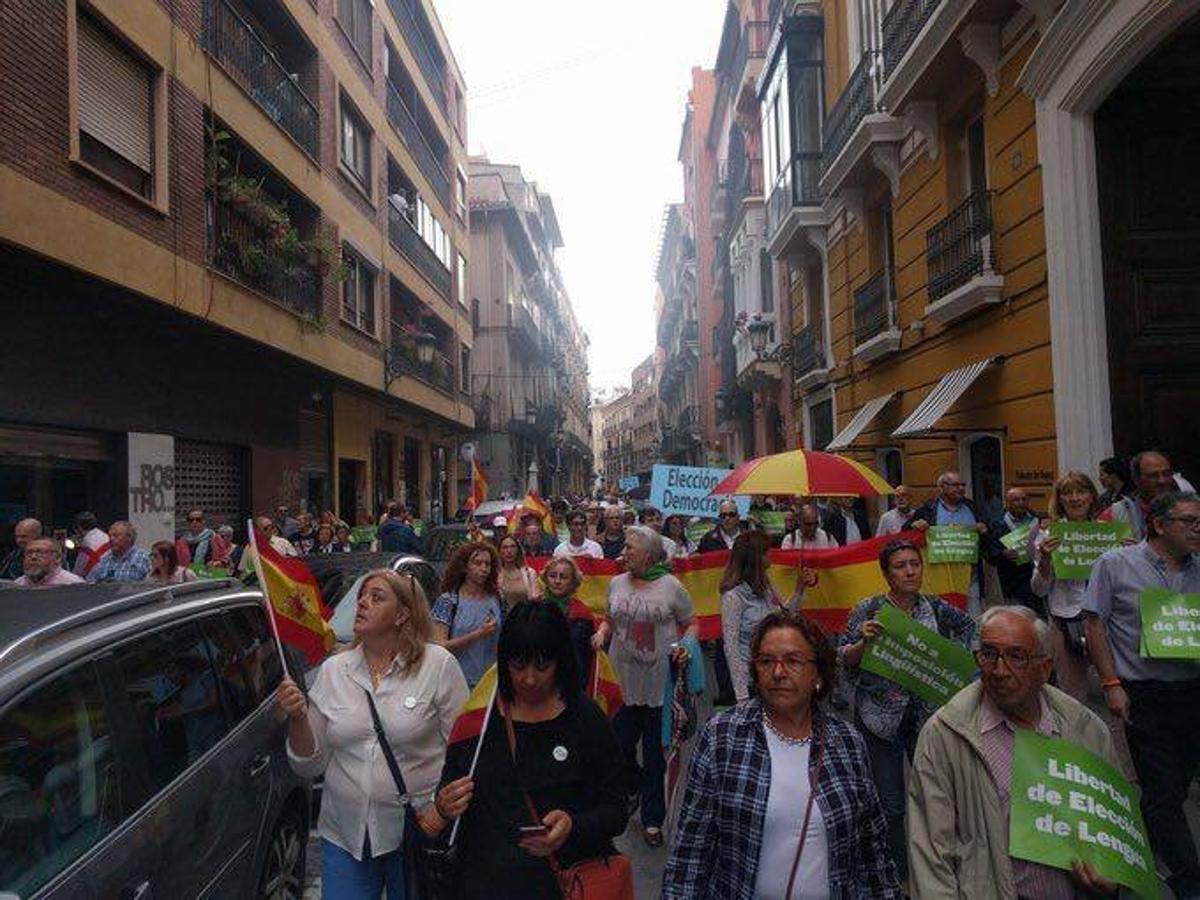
[1148, 159]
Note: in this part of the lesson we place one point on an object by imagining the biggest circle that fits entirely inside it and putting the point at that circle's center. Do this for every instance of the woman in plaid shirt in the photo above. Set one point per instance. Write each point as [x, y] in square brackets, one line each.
[780, 804]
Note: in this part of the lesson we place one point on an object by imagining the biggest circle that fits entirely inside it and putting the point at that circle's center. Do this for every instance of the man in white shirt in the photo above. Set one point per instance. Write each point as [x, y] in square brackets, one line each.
[43, 566]
[578, 543]
[892, 521]
[810, 535]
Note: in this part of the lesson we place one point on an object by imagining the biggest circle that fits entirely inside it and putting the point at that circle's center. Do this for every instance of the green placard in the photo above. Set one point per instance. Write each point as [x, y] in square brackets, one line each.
[696, 530]
[418, 525]
[203, 571]
[1069, 804]
[1080, 544]
[770, 522]
[918, 658]
[362, 534]
[1170, 624]
[951, 544]
[1018, 540]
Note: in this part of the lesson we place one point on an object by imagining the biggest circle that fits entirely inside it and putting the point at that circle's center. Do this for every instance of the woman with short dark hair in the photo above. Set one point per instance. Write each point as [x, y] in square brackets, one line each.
[888, 715]
[563, 760]
[779, 801]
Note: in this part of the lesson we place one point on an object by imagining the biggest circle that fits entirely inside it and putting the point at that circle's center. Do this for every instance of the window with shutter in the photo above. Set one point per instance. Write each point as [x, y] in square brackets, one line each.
[115, 107]
[356, 143]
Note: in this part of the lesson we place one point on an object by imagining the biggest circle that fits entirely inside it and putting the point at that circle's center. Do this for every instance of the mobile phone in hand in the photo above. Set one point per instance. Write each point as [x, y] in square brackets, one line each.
[533, 831]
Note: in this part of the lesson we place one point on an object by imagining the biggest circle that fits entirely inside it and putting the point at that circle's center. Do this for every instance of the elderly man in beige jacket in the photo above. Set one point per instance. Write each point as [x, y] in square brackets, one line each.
[958, 792]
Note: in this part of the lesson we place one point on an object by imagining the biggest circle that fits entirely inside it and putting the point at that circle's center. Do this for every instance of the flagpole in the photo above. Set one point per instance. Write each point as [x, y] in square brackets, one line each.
[262, 584]
[487, 717]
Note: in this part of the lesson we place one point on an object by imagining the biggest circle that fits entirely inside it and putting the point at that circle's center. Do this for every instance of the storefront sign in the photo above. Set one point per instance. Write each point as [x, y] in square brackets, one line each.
[951, 544]
[1170, 624]
[1080, 544]
[918, 658]
[685, 490]
[1068, 804]
[152, 487]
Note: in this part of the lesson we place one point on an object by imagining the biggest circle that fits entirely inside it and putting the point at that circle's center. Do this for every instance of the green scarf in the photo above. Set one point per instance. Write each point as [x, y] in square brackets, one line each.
[655, 572]
[561, 602]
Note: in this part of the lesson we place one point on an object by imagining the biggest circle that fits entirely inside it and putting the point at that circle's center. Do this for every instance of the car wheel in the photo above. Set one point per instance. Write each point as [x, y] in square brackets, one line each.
[283, 869]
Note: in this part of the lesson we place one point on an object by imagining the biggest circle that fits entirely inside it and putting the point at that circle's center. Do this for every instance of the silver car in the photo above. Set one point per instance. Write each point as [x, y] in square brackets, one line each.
[140, 755]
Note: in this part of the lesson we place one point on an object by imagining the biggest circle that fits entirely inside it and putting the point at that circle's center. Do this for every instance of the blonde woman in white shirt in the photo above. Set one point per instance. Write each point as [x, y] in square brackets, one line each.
[417, 688]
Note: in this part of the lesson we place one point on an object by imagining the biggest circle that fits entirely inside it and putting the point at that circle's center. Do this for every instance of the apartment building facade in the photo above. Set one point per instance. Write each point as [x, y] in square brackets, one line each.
[630, 437]
[680, 431]
[234, 235]
[970, 211]
[529, 367]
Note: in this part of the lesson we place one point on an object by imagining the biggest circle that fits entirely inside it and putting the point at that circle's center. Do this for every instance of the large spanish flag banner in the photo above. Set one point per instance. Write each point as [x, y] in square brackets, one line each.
[835, 580]
[294, 601]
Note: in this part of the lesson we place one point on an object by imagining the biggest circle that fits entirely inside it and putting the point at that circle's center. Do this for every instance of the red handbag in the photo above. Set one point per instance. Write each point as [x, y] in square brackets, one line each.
[606, 878]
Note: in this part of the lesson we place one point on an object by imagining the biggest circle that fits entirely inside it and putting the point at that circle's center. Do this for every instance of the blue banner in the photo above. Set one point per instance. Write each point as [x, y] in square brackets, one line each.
[628, 483]
[684, 490]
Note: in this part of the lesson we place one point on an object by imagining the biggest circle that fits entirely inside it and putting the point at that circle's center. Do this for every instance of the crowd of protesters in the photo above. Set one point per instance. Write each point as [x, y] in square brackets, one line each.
[787, 793]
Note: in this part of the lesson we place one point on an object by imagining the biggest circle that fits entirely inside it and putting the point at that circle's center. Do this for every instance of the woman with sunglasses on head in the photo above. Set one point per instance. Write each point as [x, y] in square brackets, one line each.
[414, 687]
[548, 789]
[779, 803]
[889, 717]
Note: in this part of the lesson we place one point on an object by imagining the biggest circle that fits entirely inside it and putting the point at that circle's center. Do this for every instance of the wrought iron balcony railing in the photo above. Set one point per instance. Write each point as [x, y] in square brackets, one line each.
[901, 25]
[434, 74]
[873, 307]
[855, 104]
[241, 247]
[799, 186]
[960, 246]
[402, 359]
[808, 352]
[404, 237]
[252, 64]
[405, 124]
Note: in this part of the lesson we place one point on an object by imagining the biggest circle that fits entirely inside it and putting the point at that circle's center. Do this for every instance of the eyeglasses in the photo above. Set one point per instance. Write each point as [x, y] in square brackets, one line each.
[1192, 522]
[195, 518]
[954, 484]
[730, 515]
[1018, 660]
[793, 665]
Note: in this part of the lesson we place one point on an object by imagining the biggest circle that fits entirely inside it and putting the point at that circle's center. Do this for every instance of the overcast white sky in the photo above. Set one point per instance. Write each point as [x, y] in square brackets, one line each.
[589, 99]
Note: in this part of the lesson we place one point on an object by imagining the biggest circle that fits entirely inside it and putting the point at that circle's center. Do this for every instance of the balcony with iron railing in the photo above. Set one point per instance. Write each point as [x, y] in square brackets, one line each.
[523, 326]
[404, 237]
[809, 364]
[855, 104]
[405, 123]
[797, 190]
[230, 39]
[959, 255]
[856, 126]
[752, 46]
[432, 70]
[243, 247]
[875, 331]
[403, 358]
[901, 25]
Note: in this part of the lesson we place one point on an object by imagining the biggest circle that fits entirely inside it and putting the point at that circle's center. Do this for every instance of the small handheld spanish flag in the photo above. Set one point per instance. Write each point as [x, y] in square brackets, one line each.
[604, 686]
[293, 601]
[479, 485]
[473, 717]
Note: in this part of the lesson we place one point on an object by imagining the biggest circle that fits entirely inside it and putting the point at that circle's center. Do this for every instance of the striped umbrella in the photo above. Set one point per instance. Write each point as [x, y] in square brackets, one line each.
[803, 473]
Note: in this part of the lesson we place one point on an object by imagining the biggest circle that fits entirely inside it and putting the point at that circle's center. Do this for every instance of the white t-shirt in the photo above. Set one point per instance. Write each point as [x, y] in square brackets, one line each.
[820, 541]
[587, 548]
[786, 802]
[891, 522]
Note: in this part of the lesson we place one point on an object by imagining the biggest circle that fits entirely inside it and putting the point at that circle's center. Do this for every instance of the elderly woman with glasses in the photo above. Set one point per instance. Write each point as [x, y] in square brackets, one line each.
[397, 672]
[647, 609]
[890, 717]
[779, 800]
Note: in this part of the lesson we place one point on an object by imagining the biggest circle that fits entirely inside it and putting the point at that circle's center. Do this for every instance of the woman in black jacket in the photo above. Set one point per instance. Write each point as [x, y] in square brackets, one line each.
[566, 760]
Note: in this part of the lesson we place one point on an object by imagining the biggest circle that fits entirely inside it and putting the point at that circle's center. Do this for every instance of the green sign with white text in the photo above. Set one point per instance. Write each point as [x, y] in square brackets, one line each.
[1069, 804]
[951, 544]
[1170, 624]
[362, 534]
[1018, 540]
[917, 658]
[1080, 544]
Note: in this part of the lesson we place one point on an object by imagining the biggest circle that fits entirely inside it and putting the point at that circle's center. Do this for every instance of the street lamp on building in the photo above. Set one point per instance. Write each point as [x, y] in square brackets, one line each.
[426, 342]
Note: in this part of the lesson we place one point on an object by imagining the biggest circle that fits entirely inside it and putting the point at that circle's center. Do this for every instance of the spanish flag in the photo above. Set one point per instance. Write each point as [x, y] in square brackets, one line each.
[294, 601]
[603, 685]
[535, 505]
[473, 717]
[479, 485]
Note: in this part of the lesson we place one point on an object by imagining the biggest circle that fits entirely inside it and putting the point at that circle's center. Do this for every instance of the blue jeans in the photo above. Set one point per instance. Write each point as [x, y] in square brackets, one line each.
[887, 767]
[644, 723]
[345, 878]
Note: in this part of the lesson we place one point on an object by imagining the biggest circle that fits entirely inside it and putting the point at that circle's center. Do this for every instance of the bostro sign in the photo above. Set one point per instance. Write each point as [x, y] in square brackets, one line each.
[917, 658]
[1069, 804]
[684, 490]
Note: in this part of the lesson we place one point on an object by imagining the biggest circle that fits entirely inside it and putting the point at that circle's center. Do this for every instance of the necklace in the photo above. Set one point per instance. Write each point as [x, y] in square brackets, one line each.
[790, 741]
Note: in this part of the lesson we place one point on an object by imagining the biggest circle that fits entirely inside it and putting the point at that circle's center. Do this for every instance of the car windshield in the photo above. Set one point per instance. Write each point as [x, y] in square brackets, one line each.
[342, 621]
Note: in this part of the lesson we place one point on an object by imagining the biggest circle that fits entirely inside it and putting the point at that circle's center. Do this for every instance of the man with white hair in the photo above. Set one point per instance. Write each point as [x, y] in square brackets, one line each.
[960, 788]
[43, 566]
[23, 532]
[123, 561]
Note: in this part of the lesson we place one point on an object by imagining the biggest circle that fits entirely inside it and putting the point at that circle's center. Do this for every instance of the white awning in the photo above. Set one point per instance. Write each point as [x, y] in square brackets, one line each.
[944, 395]
[865, 415]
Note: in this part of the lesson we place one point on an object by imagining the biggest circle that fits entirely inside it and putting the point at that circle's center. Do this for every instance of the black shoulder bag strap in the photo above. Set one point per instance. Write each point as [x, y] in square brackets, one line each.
[388, 756]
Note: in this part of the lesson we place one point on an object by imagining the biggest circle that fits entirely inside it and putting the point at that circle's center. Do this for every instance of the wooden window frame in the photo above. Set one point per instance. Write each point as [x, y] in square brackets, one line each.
[364, 183]
[360, 264]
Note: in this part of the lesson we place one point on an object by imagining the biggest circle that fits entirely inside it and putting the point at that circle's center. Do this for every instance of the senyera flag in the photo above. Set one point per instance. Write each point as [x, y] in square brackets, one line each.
[294, 601]
[836, 580]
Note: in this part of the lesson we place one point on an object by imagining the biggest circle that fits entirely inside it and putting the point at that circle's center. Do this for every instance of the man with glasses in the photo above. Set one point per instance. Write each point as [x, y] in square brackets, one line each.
[43, 566]
[24, 532]
[612, 538]
[197, 540]
[1157, 699]
[729, 526]
[1153, 476]
[951, 507]
[959, 790]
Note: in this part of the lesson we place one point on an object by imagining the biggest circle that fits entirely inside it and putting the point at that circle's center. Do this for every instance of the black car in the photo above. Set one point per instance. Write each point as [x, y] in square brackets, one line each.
[140, 754]
[341, 574]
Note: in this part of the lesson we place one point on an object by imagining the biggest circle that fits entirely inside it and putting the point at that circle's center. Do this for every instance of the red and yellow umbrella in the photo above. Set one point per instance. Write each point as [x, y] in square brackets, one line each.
[803, 473]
